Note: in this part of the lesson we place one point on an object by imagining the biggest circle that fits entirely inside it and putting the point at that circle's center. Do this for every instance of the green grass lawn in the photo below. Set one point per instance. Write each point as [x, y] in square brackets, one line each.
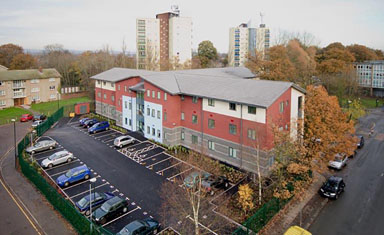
[48, 108]
[7, 114]
[366, 102]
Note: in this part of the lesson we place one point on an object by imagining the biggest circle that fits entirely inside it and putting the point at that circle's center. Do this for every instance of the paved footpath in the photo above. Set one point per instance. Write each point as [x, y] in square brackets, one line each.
[24, 209]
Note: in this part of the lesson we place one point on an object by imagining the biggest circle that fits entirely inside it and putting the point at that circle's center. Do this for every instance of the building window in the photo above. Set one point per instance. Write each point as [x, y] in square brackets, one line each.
[165, 96]
[126, 121]
[182, 116]
[158, 133]
[153, 94]
[158, 114]
[148, 93]
[112, 84]
[211, 102]
[105, 96]
[153, 131]
[2, 92]
[232, 129]
[232, 106]
[113, 98]
[252, 134]
[271, 160]
[148, 130]
[99, 94]
[2, 103]
[251, 110]
[211, 123]
[194, 99]
[211, 145]
[165, 116]
[195, 140]
[53, 96]
[51, 88]
[232, 152]
[182, 97]
[286, 103]
[52, 79]
[130, 106]
[153, 112]
[125, 88]
[148, 111]
[194, 119]
[182, 135]
[158, 95]
[286, 126]
[118, 87]
[130, 122]
[35, 81]
[104, 83]
[125, 104]
[98, 82]
[118, 103]
[281, 107]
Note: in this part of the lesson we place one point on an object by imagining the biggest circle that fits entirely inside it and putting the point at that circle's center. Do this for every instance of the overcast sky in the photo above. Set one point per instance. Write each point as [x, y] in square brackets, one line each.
[90, 24]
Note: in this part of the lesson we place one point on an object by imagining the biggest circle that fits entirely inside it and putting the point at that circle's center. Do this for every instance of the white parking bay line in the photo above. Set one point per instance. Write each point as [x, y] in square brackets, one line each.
[158, 162]
[129, 212]
[108, 140]
[61, 172]
[48, 169]
[88, 190]
[170, 178]
[168, 167]
[143, 159]
[47, 151]
[110, 132]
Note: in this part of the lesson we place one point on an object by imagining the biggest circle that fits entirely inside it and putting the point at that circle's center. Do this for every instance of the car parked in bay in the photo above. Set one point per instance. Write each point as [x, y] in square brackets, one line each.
[110, 210]
[339, 162]
[213, 183]
[81, 121]
[123, 141]
[41, 146]
[26, 117]
[57, 158]
[39, 117]
[84, 204]
[37, 123]
[145, 226]
[333, 187]
[193, 179]
[90, 122]
[74, 175]
[100, 126]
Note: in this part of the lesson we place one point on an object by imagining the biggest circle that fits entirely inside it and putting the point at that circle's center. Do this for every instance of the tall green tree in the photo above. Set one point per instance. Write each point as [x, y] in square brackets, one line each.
[207, 53]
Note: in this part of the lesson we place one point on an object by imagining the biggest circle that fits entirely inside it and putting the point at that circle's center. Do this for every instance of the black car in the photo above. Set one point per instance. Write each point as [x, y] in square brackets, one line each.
[360, 142]
[146, 226]
[333, 187]
[214, 183]
[110, 209]
[90, 122]
[41, 117]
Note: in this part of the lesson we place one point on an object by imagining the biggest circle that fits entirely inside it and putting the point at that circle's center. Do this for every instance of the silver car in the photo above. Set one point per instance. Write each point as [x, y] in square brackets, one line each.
[339, 162]
[36, 123]
[123, 140]
[41, 146]
[57, 158]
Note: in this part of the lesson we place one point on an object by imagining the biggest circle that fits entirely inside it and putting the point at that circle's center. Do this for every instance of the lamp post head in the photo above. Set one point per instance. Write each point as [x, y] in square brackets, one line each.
[13, 120]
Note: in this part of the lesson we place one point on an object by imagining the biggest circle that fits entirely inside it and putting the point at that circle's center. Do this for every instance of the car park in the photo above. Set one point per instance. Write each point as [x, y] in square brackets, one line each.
[39, 117]
[333, 187]
[81, 121]
[97, 200]
[145, 226]
[100, 126]
[57, 158]
[339, 162]
[123, 141]
[73, 175]
[110, 209]
[214, 183]
[37, 123]
[41, 146]
[192, 179]
[26, 117]
[90, 122]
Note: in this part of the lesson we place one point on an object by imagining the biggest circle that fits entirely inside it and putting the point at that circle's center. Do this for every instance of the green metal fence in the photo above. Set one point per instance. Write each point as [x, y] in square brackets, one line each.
[31, 170]
[257, 221]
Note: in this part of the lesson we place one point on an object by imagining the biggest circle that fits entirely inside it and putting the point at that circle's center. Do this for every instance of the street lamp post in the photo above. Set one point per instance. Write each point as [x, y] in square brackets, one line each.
[32, 134]
[14, 139]
[93, 180]
[58, 100]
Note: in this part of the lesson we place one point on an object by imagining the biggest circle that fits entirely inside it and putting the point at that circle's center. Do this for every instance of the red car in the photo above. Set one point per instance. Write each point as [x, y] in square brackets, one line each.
[26, 117]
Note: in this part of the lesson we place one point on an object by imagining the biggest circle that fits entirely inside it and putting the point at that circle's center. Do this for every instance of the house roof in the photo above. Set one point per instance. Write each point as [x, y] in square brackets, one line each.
[27, 74]
[2, 67]
[230, 84]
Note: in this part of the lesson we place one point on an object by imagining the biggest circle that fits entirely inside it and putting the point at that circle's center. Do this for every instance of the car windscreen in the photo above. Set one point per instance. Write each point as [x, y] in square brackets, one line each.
[105, 207]
[69, 173]
[83, 202]
[38, 145]
[330, 185]
[52, 156]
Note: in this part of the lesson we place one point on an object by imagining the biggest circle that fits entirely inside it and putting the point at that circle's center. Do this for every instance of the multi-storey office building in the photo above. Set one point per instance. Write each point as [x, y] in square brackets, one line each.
[370, 75]
[163, 41]
[246, 40]
[18, 87]
[218, 111]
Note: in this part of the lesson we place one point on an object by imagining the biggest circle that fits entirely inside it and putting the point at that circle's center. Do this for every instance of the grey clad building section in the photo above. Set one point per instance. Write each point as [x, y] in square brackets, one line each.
[370, 74]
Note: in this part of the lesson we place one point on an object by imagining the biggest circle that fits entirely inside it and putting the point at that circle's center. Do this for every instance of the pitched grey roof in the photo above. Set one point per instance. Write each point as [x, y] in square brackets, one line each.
[230, 84]
[27, 74]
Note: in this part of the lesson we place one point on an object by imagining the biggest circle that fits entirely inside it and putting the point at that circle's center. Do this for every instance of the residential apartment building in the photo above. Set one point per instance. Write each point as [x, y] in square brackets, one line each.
[18, 87]
[163, 41]
[370, 74]
[246, 40]
[220, 111]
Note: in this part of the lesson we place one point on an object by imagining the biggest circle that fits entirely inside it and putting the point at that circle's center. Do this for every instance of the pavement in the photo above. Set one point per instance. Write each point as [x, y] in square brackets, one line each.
[23, 209]
[360, 208]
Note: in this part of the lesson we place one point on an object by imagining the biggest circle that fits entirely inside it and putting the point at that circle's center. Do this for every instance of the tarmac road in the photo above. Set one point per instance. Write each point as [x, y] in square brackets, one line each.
[360, 209]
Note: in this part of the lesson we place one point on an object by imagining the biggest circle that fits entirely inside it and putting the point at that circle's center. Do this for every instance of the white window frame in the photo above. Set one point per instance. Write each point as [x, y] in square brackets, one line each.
[2, 92]
[211, 145]
[52, 79]
[165, 96]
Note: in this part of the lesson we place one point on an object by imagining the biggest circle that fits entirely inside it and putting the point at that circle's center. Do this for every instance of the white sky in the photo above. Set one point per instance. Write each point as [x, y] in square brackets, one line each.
[90, 24]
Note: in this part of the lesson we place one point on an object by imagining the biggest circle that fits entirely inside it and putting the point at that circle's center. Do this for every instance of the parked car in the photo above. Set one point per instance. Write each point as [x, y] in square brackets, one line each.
[90, 122]
[41, 146]
[110, 209]
[97, 200]
[360, 142]
[123, 141]
[73, 175]
[57, 158]
[37, 123]
[333, 187]
[145, 226]
[214, 183]
[339, 162]
[192, 179]
[81, 121]
[26, 117]
[296, 230]
[100, 126]
[40, 117]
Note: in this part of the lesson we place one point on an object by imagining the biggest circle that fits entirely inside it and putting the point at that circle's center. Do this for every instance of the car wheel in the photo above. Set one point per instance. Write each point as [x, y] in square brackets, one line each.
[94, 132]
[103, 221]
[33, 152]
[50, 165]
[66, 184]
[86, 177]
[69, 160]
[125, 209]
[106, 128]
[87, 213]
[121, 146]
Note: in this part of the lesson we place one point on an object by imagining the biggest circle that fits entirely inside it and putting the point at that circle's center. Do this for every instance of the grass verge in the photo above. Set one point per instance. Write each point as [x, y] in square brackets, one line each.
[13, 112]
[50, 107]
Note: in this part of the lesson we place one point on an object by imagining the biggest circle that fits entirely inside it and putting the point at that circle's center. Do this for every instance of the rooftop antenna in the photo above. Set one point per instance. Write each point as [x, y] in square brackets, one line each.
[175, 9]
[261, 17]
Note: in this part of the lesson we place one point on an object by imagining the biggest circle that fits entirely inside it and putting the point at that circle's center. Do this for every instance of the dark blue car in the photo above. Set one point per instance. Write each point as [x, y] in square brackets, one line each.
[73, 175]
[100, 126]
[90, 122]
[97, 199]
[81, 121]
